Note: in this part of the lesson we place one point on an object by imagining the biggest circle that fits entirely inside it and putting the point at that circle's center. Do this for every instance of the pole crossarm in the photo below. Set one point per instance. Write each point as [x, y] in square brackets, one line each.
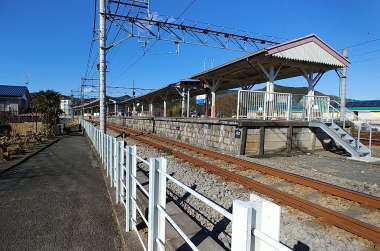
[179, 31]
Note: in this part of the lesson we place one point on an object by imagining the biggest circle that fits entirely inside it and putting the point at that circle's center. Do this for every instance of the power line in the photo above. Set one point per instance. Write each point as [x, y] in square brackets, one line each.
[153, 44]
[363, 43]
[186, 9]
[365, 53]
[366, 60]
[136, 61]
[92, 39]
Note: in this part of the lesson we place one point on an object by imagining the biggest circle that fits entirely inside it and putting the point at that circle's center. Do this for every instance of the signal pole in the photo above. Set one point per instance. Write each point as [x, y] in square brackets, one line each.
[102, 65]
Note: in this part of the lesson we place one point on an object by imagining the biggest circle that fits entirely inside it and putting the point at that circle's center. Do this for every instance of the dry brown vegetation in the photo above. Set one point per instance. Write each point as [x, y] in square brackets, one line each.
[17, 144]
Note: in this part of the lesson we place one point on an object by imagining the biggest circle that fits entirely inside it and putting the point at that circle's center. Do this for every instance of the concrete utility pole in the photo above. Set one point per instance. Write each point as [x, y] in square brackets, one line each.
[343, 89]
[102, 64]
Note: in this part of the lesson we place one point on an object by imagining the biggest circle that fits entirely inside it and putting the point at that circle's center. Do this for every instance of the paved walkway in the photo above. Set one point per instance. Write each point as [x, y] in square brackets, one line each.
[57, 200]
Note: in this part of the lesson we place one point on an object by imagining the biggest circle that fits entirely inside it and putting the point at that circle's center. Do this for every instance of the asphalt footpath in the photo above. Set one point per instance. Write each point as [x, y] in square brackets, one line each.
[57, 200]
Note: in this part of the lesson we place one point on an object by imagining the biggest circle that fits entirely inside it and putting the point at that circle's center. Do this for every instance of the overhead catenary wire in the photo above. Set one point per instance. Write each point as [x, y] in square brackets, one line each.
[92, 39]
[186, 9]
[366, 60]
[365, 53]
[363, 43]
[153, 44]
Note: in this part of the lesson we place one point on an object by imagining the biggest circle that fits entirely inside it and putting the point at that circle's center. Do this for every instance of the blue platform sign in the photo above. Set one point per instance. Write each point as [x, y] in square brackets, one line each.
[200, 99]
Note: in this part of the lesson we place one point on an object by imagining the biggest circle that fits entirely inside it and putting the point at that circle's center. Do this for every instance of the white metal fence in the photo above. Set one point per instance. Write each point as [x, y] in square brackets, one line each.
[255, 223]
[263, 105]
[275, 105]
[316, 108]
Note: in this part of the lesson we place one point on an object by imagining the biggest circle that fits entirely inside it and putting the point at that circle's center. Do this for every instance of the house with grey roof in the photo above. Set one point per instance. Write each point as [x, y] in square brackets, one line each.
[14, 99]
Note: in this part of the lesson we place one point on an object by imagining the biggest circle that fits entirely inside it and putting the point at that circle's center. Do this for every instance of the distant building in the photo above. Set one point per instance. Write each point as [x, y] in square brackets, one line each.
[66, 107]
[14, 99]
[365, 110]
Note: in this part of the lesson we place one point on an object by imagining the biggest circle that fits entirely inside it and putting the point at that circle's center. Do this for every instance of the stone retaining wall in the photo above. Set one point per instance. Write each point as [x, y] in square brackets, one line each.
[224, 136]
[211, 134]
[26, 128]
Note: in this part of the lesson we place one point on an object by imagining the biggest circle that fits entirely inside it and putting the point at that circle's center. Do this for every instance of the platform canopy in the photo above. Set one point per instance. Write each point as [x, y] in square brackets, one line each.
[293, 58]
[169, 92]
[95, 103]
[307, 56]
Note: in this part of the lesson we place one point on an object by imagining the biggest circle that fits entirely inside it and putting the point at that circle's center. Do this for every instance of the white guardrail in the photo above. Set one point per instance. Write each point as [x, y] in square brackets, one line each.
[255, 223]
[317, 108]
[263, 105]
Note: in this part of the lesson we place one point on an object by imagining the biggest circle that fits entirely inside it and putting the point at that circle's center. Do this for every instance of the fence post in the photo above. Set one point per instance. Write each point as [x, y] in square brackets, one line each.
[121, 170]
[97, 140]
[109, 151]
[242, 225]
[266, 104]
[112, 152]
[130, 213]
[105, 152]
[99, 143]
[257, 217]
[107, 155]
[267, 221]
[101, 146]
[116, 164]
[290, 101]
[157, 198]
[111, 167]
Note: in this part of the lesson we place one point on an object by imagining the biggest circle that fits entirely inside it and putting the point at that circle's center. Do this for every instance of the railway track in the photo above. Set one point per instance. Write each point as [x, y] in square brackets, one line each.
[365, 138]
[323, 214]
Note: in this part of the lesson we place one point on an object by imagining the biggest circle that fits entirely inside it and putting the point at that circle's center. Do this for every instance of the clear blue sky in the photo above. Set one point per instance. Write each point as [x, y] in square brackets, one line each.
[47, 42]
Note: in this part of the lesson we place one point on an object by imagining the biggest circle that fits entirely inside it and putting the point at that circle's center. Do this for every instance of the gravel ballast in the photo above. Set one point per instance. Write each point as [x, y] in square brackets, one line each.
[297, 229]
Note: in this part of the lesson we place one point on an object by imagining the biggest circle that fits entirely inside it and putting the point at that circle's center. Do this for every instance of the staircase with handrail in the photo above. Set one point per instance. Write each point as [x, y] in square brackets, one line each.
[353, 146]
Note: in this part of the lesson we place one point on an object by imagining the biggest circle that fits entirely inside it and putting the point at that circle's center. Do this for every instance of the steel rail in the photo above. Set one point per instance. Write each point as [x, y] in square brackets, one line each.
[325, 215]
[362, 198]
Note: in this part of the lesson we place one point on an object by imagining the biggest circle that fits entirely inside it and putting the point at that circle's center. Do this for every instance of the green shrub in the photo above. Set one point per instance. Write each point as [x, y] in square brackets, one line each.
[5, 129]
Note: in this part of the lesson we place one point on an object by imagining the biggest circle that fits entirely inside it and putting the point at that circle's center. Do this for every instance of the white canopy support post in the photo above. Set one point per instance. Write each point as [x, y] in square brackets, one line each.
[181, 93]
[142, 109]
[312, 82]
[164, 108]
[183, 103]
[151, 109]
[188, 103]
[128, 111]
[271, 73]
[206, 104]
[213, 88]
[134, 110]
